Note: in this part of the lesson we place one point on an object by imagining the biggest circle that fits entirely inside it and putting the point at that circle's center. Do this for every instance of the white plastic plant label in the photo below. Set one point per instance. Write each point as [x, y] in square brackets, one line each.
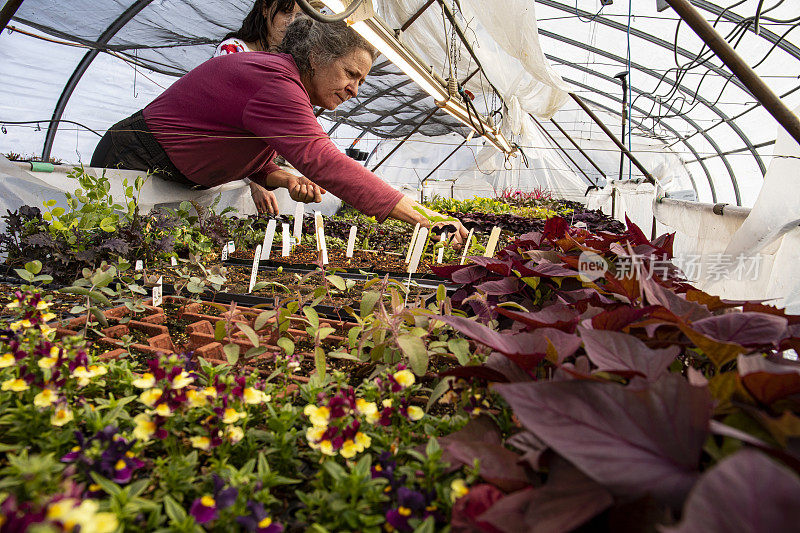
[269, 237]
[321, 244]
[491, 246]
[467, 245]
[440, 257]
[351, 241]
[224, 255]
[158, 292]
[173, 261]
[254, 270]
[139, 265]
[419, 247]
[411, 243]
[317, 226]
[298, 222]
[286, 248]
[231, 247]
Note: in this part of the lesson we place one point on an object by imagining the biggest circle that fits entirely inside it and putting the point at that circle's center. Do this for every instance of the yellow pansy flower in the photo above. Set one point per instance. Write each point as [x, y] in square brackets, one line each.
[7, 360]
[46, 398]
[200, 442]
[415, 413]
[181, 380]
[254, 396]
[196, 399]
[145, 427]
[318, 416]
[405, 378]
[234, 433]
[231, 416]
[62, 416]
[15, 385]
[146, 381]
[150, 397]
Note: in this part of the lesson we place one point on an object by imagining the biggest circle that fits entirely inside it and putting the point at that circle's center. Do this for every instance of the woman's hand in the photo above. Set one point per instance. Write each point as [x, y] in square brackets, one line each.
[408, 210]
[265, 200]
[302, 189]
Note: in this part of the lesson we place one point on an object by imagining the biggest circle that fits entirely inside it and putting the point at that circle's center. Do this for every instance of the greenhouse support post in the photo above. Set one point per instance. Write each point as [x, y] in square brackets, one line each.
[738, 66]
[422, 183]
[596, 119]
[8, 11]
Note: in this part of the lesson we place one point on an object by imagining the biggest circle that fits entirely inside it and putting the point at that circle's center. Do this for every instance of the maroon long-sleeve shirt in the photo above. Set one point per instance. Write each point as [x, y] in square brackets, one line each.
[227, 119]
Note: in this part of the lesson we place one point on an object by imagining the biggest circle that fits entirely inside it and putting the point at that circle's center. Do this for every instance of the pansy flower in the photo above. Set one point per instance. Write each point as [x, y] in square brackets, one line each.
[231, 416]
[257, 520]
[253, 396]
[318, 416]
[15, 385]
[8, 359]
[62, 416]
[46, 398]
[146, 381]
[197, 398]
[150, 396]
[204, 509]
[234, 433]
[405, 378]
[201, 442]
[181, 380]
[145, 427]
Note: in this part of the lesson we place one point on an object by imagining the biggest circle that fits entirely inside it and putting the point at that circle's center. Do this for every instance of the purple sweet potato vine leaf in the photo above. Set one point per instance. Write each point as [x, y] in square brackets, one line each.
[748, 493]
[635, 442]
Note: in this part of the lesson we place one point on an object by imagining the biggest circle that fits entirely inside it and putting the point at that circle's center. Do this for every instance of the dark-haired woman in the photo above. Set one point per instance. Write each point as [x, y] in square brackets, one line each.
[262, 31]
[264, 27]
[228, 118]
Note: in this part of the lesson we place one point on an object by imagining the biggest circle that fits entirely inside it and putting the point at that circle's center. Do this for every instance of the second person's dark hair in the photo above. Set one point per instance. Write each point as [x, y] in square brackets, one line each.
[254, 27]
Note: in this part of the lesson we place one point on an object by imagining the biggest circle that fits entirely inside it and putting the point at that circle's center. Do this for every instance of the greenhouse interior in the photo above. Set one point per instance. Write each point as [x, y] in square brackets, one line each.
[399, 265]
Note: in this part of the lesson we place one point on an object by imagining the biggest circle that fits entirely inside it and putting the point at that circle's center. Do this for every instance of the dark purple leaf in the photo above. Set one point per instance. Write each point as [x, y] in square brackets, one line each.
[569, 499]
[520, 344]
[498, 465]
[546, 269]
[616, 319]
[635, 442]
[744, 329]
[555, 228]
[477, 372]
[681, 307]
[494, 265]
[511, 371]
[500, 287]
[769, 381]
[746, 492]
[612, 351]
[469, 274]
[556, 316]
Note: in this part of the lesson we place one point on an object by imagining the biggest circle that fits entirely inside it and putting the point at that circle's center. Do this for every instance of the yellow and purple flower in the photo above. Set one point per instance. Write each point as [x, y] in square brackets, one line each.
[15, 385]
[46, 398]
[62, 416]
[146, 381]
[7, 360]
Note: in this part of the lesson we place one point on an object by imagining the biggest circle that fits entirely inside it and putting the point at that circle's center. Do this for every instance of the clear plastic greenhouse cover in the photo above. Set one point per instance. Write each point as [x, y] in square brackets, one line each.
[692, 124]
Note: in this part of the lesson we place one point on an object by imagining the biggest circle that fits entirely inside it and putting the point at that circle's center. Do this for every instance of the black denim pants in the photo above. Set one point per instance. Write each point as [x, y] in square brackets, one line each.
[129, 144]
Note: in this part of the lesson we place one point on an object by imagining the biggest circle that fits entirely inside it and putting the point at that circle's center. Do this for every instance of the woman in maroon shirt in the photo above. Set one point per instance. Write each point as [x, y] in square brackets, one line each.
[228, 118]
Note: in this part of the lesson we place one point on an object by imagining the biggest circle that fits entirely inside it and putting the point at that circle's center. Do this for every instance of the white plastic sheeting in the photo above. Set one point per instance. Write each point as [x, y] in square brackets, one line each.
[701, 241]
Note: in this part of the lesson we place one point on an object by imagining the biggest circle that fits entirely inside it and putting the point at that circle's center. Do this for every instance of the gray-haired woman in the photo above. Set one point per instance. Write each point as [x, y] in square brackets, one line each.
[229, 117]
